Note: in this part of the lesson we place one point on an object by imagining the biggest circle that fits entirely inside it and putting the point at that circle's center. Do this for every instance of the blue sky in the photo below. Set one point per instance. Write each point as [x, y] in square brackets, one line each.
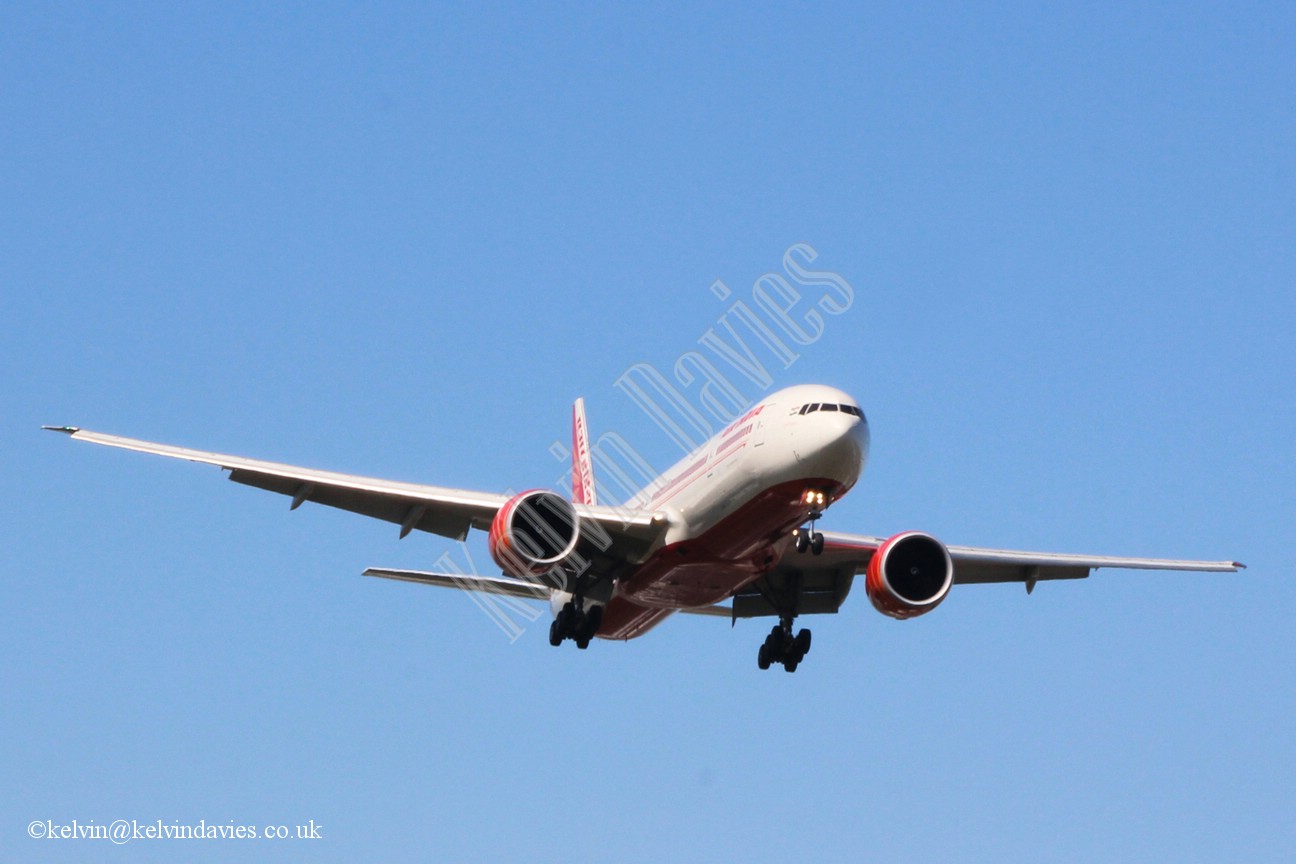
[400, 242]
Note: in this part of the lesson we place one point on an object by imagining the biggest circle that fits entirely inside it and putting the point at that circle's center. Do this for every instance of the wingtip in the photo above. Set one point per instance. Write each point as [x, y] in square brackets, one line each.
[66, 430]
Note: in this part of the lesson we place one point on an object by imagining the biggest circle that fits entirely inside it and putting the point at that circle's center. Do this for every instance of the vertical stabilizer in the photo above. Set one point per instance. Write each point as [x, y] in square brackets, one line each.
[582, 463]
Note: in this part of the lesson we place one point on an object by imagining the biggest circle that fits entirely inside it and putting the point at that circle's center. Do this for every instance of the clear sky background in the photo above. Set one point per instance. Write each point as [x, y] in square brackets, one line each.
[400, 242]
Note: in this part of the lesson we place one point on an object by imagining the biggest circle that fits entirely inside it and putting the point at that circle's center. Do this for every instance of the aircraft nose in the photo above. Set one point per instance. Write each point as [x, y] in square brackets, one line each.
[837, 447]
[860, 434]
[852, 438]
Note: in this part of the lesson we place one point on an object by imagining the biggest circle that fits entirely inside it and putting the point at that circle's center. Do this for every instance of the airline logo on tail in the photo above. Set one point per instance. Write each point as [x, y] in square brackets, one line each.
[582, 464]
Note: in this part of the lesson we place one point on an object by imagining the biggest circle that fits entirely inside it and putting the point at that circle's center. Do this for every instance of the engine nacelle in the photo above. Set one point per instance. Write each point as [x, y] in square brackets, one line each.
[532, 532]
[909, 575]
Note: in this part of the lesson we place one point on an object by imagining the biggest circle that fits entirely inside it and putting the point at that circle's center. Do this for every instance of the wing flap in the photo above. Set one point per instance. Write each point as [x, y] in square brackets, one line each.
[809, 584]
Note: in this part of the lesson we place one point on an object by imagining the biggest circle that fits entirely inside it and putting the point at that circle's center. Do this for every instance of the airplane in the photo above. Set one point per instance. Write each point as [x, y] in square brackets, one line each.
[730, 531]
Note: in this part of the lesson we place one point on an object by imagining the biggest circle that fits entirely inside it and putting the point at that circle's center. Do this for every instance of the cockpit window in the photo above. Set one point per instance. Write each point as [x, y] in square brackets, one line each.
[811, 407]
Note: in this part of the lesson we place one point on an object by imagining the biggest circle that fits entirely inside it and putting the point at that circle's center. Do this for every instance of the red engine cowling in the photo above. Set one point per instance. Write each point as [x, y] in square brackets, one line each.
[533, 532]
[909, 575]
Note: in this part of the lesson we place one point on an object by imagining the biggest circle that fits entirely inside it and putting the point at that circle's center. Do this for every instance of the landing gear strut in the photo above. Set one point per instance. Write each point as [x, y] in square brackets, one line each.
[576, 623]
[811, 539]
[780, 646]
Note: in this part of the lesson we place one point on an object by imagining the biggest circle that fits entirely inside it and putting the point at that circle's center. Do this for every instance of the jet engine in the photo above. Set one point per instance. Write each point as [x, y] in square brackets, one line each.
[909, 575]
[532, 532]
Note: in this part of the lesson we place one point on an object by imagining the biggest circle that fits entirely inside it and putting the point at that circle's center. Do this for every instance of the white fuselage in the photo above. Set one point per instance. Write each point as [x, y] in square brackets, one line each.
[730, 506]
[773, 443]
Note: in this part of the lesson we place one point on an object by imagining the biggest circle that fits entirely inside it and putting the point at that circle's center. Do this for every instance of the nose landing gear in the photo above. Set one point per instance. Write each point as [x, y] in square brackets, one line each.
[811, 540]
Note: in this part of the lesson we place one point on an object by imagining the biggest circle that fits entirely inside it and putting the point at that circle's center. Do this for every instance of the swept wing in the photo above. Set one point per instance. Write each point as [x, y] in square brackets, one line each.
[412, 506]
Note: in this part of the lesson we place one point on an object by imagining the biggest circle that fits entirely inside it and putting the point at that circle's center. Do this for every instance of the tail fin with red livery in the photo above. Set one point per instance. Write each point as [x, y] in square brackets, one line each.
[582, 463]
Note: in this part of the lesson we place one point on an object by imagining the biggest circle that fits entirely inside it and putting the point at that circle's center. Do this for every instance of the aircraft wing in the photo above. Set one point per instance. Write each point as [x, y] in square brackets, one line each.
[435, 509]
[977, 565]
[821, 582]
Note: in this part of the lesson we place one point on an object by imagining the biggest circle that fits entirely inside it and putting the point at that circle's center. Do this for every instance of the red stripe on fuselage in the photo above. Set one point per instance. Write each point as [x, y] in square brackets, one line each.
[678, 482]
[712, 566]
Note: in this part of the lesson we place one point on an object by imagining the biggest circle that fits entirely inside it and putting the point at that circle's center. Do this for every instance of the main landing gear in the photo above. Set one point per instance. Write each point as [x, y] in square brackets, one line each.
[576, 623]
[781, 646]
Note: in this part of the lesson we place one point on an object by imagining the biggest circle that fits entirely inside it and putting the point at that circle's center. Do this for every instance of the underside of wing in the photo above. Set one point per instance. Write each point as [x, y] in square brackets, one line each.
[974, 564]
[808, 588]
[449, 512]
[814, 584]
[412, 506]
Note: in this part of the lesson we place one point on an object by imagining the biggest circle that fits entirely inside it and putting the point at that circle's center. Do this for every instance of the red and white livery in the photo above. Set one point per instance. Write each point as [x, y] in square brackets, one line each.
[729, 530]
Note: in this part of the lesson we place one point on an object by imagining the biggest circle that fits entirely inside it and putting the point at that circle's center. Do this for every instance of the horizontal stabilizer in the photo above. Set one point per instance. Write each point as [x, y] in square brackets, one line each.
[503, 585]
[468, 582]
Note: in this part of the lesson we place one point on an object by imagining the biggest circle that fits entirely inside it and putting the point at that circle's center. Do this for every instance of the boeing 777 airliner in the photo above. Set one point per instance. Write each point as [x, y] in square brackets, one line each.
[730, 530]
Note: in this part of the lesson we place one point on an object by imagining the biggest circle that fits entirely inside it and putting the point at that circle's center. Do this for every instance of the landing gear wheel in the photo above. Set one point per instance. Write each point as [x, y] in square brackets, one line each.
[817, 544]
[594, 620]
[575, 623]
[802, 541]
[774, 644]
[566, 618]
[780, 646]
